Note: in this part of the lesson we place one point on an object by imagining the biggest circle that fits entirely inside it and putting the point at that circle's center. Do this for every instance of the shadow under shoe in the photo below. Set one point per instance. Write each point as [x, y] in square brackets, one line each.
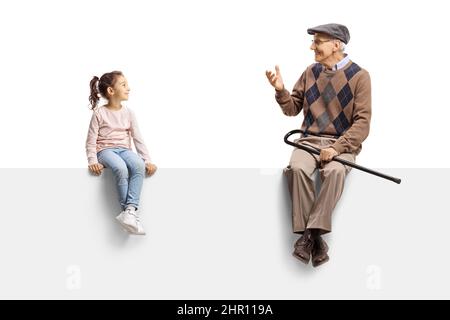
[304, 247]
[319, 252]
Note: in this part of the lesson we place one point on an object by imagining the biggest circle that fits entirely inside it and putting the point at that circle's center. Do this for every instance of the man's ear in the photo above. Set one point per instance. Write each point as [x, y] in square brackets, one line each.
[337, 45]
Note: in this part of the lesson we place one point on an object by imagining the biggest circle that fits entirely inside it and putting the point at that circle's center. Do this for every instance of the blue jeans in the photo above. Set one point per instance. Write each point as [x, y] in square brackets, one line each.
[128, 169]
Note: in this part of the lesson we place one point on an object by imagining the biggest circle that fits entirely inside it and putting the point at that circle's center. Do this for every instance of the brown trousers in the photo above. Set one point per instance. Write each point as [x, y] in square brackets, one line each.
[311, 211]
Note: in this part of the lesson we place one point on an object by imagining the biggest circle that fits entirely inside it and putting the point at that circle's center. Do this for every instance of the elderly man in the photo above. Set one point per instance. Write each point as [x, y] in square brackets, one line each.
[335, 96]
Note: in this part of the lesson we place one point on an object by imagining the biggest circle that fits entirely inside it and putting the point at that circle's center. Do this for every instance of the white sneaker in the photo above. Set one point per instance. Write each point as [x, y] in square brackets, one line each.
[127, 220]
[139, 228]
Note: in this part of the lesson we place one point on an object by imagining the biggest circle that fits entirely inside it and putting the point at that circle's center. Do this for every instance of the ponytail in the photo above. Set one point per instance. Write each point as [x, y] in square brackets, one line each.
[94, 96]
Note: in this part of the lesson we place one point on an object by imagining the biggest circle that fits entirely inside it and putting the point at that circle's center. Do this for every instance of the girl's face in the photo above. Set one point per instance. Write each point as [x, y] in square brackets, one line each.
[120, 90]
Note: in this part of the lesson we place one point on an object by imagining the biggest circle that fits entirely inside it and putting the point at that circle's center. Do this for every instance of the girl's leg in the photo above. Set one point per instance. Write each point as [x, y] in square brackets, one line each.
[136, 169]
[111, 159]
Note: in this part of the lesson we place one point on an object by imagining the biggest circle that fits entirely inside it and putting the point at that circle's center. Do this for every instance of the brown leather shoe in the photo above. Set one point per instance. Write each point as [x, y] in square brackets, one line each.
[303, 247]
[319, 252]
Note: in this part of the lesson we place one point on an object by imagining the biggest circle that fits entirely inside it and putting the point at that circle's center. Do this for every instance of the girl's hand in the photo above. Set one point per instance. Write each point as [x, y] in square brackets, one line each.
[150, 168]
[96, 168]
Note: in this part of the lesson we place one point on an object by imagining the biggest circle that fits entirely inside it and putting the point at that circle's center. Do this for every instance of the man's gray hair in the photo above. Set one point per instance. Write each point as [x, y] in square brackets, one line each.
[341, 45]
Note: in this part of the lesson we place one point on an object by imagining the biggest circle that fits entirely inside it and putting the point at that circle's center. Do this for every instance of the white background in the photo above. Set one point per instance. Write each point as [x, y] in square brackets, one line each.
[196, 71]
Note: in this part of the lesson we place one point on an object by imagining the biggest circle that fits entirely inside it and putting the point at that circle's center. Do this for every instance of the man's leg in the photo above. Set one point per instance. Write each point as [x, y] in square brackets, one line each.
[332, 176]
[301, 182]
[300, 176]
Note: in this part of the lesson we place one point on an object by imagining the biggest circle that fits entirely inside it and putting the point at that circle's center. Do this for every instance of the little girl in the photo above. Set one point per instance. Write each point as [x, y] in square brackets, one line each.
[108, 144]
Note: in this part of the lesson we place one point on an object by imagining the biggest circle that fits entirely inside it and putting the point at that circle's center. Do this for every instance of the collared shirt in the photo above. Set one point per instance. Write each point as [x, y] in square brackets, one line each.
[341, 63]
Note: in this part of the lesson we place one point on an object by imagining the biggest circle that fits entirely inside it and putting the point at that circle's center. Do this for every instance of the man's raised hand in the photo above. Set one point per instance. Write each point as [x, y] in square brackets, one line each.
[275, 79]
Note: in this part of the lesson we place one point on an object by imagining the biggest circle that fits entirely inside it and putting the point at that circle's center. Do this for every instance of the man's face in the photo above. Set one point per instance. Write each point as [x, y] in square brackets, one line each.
[323, 47]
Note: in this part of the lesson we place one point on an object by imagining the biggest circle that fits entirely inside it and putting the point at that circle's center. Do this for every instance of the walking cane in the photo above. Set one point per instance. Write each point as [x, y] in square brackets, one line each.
[314, 150]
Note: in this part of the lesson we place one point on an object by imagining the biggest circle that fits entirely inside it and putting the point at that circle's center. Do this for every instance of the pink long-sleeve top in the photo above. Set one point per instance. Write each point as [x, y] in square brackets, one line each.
[113, 129]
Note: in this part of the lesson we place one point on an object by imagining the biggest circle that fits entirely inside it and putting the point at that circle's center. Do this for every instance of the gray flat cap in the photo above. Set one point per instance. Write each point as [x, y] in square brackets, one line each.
[337, 31]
